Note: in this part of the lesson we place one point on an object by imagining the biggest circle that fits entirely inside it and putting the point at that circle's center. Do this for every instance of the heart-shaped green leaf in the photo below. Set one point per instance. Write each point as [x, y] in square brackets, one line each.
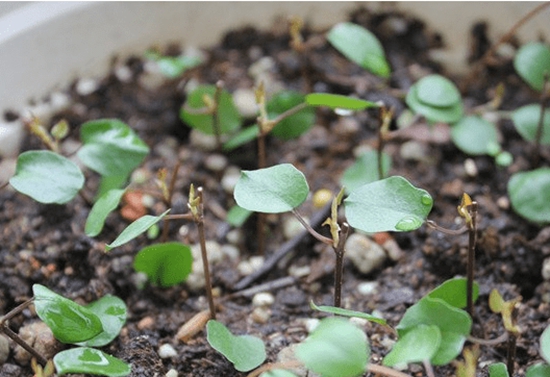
[360, 46]
[530, 194]
[453, 292]
[454, 325]
[498, 370]
[391, 204]
[69, 322]
[365, 170]
[338, 101]
[47, 177]
[419, 344]
[90, 361]
[526, 121]
[532, 62]
[475, 136]
[294, 125]
[112, 313]
[101, 209]
[230, 119]
[246, 352]
[165, 264]
[336, 348]
[135, 229]
[110, 147]
[277, 189]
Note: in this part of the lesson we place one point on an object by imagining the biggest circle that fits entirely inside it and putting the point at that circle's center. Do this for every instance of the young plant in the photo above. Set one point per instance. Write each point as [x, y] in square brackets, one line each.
[532, 63]
[173, 66]
[530, 194]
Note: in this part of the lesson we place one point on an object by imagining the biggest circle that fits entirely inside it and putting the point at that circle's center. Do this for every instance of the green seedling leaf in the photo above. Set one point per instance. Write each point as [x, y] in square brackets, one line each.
[101, 209]
[112, 313]
[496, 302]
[336, 348]
[89, 361]
[365, 170]
[454, 325]
[280, 188]
[453, 292]
[173, 66]
[246, 352]
[243, 137]
[475, 136]
[348, 313]
[47, 177]
[391, 204]
[436, 98]
[419, 344]
[360, 46]
[295, 125]
[230, 119]
[526, 121]
[110, 147]
[538, 370]
[165, 264]
[545, 344]
[498, 370]
[110, 182]
[278, 373]
[237, 216]
[338, 101]
[532, 62]
[530, 194]
[69, 322]
[135, 229]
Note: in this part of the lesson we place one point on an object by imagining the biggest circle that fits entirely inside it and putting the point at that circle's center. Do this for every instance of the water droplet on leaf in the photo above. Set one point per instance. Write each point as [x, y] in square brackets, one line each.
[408, 223]
[427, 200]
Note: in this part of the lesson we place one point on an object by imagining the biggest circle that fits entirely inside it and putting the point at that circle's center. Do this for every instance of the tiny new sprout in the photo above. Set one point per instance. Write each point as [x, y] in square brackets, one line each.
[508, 311]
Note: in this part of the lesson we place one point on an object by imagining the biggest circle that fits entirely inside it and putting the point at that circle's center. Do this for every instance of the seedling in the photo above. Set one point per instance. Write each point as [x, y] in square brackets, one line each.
[390, 204]
[529, 194]
[532, 63]
[95, 325]
[508, 311]
[173, 66]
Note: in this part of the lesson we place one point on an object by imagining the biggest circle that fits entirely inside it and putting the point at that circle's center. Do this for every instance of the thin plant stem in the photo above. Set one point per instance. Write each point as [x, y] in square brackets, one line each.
[310, 229]
[429, 368]
[453, 232]
[540, 126]
[489, 342]
[260, 224]
[199, 220]
[168, 201]
[216, 114]
[511, 354]
[472, 238]
[385, 371]
[339, 250]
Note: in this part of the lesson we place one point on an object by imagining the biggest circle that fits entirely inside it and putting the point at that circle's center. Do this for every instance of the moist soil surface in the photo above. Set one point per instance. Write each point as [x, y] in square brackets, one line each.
[46, 244]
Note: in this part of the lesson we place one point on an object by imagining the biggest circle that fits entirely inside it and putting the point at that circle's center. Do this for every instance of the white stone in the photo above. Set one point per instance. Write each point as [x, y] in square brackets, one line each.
[311, 324]
[292, 227]
[216, 162]
[246, 267]
[172, 373]
[299, 271]
[546, 269]
[11, 135]
[196, 280]
[261, 315]
[245, 101]
[230, 179]
[86, 86]
[364, 253]
[59, 101]
[413, 150]
[167, 351]
[470, 167]
[231, 251]
[393, 250]
[234, 236]
[367, 288]
[206, 143]
[123, 73]
[263, 299]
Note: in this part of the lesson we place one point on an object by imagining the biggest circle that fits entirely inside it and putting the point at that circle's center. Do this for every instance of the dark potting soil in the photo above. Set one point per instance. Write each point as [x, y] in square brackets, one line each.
[46, 244]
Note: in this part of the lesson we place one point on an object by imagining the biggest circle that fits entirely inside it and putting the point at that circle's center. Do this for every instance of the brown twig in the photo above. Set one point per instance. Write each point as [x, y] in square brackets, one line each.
[339, 250]
[472, 238]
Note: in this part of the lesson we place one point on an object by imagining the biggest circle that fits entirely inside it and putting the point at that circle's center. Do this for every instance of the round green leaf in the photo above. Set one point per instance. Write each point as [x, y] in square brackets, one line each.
[537, 370]
[101, 209]
[454, 325]
[526, 121]
[474, 135]
[89, 361]
[135, 229]
[295, 125]
[453, 292]
[498, 370]
[338, 101]
[280, 188]
[246, 352]
[391, 204]
[229, 116]
[336, 348]
[112, 313]
[47, 177]
[532, 62]
[437, 91]
[110, 147]
[419, 344]
[69, 322]
[446, 109]
[545, 344]
[165, 264]
[360, 46]
[365, 170]
[530, 194]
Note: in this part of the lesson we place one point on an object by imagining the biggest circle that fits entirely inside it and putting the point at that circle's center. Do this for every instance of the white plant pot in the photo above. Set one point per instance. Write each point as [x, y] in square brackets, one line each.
[46, 45]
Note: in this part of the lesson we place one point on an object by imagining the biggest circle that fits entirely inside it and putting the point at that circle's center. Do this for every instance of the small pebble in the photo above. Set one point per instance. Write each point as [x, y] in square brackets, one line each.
[172, 373]
[546, 269]
[234, 236]
[367, 288]
[393, 250]
[245, 101]
[11, 135]
[4, 349]
[414, 150]
[231, 251]
[321, 197]
[206, 143]
[167, 351]
[152, 78]
[59, 101]
[365, 254]
[292, 227]
[246, 267]
[216, 162]
[299, 271]
[311, 324]
[263, 299]
[146, 323]
[230, 178]
[503, 203]
[470, 167]
[85, 87]
[123, 73]
[261, 315]
[39, 336]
